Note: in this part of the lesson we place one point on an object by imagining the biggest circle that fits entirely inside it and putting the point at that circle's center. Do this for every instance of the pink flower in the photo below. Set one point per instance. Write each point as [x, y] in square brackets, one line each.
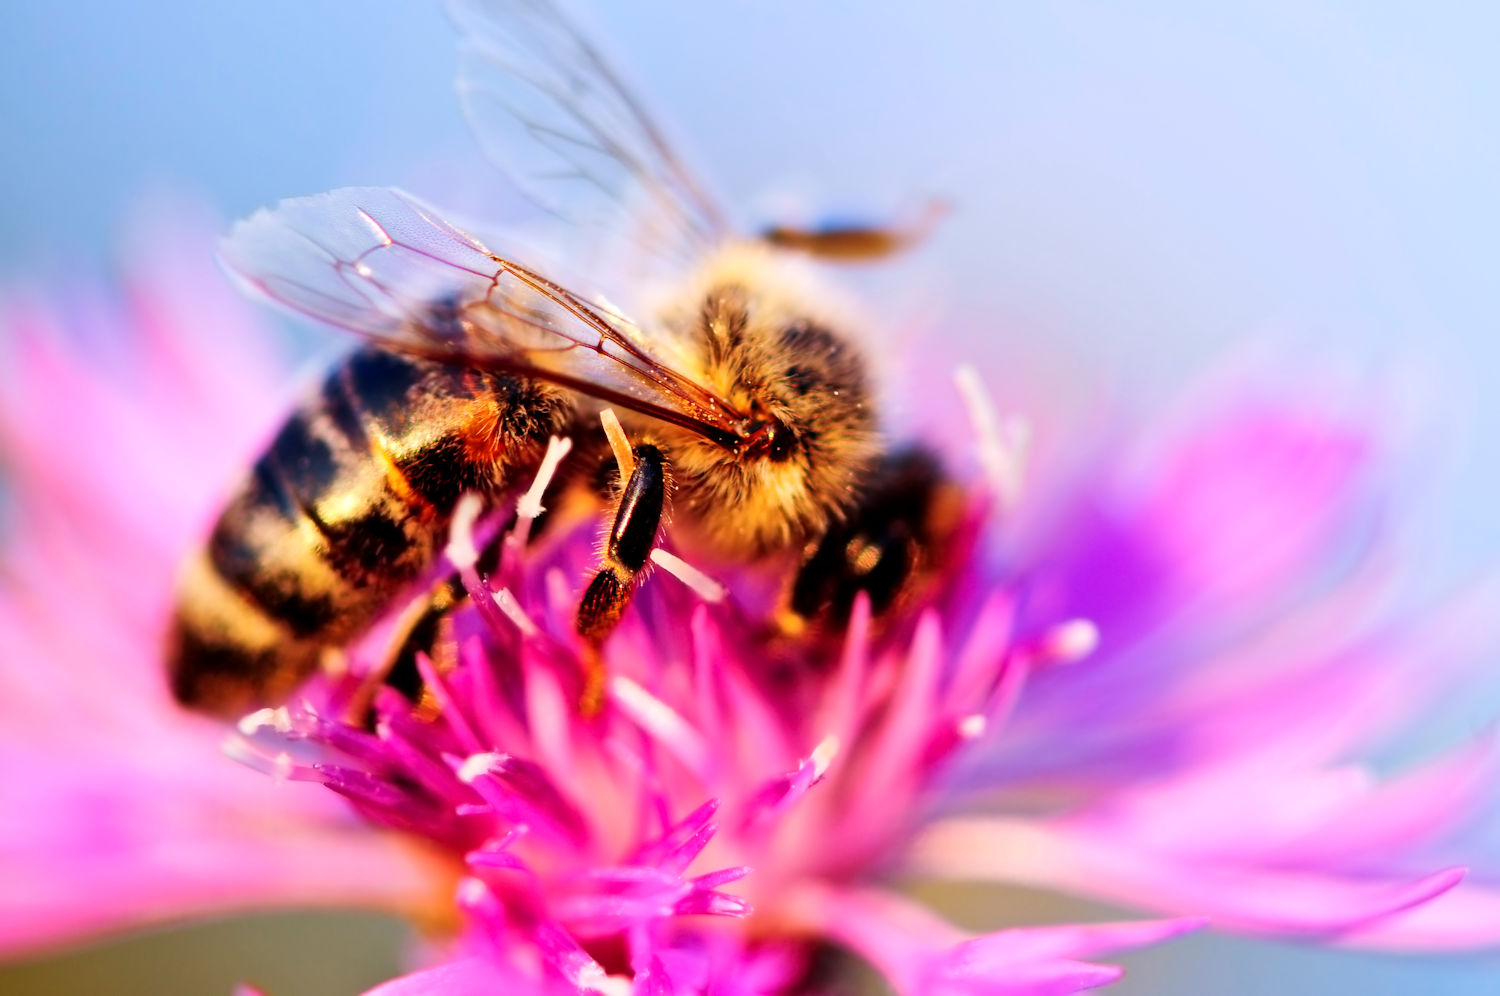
[1152, 679]
[119, 418]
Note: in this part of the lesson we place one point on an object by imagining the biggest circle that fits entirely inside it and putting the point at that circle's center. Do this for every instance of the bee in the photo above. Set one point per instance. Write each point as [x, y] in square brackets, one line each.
[746, 400]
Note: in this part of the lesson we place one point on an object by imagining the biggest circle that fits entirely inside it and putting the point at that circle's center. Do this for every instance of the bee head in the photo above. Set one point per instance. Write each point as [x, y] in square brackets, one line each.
[808, 437]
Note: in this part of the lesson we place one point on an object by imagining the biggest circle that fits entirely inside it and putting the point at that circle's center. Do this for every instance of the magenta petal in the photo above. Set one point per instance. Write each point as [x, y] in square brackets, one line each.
[98, 844]
[465, 977]
[116, 808]
[1259, 900]
[1042, 959]
[1053, 977]
[683, 841]
[1253, 494]
[523, 792]
[920, 953]
[651, 979]
[1078, 940]
[1466, 919]
[1409, 811]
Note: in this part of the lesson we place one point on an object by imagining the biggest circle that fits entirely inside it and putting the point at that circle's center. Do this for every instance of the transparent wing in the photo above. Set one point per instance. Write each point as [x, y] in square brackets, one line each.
[381, 263]
[550, 112]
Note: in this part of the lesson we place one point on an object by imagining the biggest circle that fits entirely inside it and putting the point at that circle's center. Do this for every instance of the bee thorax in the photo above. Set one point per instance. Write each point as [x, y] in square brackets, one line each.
[808, 432]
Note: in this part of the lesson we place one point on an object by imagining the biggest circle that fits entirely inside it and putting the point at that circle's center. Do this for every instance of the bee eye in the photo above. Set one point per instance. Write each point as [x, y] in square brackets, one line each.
[771, 440]
[800, 380]
[781, 441]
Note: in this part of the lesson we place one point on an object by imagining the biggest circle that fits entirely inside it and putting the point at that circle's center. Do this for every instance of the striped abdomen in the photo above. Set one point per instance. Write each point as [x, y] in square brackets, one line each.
[348, 506]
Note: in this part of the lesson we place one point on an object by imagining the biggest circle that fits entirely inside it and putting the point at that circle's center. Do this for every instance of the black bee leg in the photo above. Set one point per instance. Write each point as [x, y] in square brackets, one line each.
[424, 627]
[625, 552]
[885, 549]
[857, 243]
[423, 630]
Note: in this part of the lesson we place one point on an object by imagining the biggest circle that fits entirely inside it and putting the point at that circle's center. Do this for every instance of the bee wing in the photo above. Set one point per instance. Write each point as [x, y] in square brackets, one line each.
[381, 263]
[550, 112]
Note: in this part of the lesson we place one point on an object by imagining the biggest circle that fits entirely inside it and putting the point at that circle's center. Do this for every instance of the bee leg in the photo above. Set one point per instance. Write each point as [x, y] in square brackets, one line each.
[625, 552]
[426, 630]
[887, 548]
[857, 243]
[424, 627]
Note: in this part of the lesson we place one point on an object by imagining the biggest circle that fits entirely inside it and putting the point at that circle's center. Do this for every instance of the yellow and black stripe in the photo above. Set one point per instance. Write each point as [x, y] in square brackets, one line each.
[348, 506]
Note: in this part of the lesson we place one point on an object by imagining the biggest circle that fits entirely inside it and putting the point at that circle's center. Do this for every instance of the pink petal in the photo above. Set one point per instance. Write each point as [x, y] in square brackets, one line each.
[95, 844]
[474, 976]
[1252, 899]
[117, 808]
[1466, 919]
[919, 953]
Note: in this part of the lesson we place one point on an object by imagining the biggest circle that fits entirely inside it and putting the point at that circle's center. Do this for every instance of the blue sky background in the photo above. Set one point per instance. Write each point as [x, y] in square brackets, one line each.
[1151, 188]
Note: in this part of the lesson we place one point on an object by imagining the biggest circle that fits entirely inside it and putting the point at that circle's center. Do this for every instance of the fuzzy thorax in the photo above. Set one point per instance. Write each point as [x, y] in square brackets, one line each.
[774, 353]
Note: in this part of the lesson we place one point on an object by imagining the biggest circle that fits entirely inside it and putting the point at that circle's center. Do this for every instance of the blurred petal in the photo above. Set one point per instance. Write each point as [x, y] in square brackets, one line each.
[918, 953]
[1257, 900]
[117, 809]
[464, 977]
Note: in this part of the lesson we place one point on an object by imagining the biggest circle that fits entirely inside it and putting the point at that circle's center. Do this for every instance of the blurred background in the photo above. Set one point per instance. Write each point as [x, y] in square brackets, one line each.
[1143, 191]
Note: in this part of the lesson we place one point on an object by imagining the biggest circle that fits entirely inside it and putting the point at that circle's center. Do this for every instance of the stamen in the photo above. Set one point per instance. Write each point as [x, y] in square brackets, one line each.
[462, 552]
[823, 755]
[477, 764]
[704, 586]
[472, 891]
[1003, 444]
[664, 724]
[1070, 641]
[612, 985]
[592, 976]
[277, 719]
[529, 505]
[278, 765]
[618, 442]
[506, 603]
[971, 727]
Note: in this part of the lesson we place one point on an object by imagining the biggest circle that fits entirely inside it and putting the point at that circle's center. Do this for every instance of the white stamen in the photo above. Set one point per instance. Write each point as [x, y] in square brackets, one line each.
[472, 891]
[461, 550]
[237, 749]
[971, 727]
[704, 586]
[823, 754]
[1003, 443]
[478, 764]
[590, 975]
[506, 603]
[279, 766]
[529, 505]
[662, 722]
[278, 719]
[1071, 641]
[618, 441]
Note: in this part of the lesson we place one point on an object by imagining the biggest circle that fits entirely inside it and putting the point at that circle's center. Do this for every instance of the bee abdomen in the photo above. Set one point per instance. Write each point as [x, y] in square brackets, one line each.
[224, 652]
[345, 510]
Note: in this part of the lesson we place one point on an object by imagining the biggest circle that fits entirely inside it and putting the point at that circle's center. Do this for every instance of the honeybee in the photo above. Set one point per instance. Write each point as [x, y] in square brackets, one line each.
[747, 405]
